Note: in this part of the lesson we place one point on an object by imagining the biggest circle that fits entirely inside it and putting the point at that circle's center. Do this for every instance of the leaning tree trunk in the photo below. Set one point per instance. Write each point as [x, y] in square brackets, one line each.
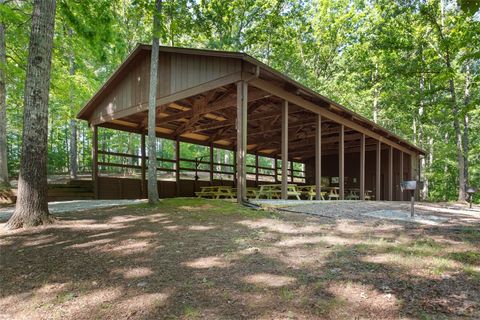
[4, 181]
[152, 109]
[32, 202]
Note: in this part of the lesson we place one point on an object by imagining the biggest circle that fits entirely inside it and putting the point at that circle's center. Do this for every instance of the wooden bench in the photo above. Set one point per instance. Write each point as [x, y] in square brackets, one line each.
[215, 192]
[271, 191]
[310, 192]
[333, 194]
[252, 192]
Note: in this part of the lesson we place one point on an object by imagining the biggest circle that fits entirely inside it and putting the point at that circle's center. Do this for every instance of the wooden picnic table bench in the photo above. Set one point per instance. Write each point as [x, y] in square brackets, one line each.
[252, 192]
[310, 192]
[271, 191]
[333, 193]
[353, 194]
[215, 192]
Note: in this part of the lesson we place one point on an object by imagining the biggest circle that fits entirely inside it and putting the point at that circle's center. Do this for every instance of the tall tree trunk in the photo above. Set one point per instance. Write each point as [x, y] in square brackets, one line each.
[32, 200]
[152, 108]
[459, 144]
[466, 139]
[73, 123]
[462, 195]
[376, 94]
[4, 180]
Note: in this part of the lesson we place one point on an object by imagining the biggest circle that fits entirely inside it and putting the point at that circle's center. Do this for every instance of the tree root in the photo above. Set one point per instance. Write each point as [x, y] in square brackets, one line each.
[21, 220]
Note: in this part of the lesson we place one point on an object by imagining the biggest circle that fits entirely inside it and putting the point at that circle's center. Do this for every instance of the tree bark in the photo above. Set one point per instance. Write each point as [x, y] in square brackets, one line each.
[152, 108]
[73, 123]
[32, 202]
[376, 94]
[466, 139]
[459, 144]
[4, 180]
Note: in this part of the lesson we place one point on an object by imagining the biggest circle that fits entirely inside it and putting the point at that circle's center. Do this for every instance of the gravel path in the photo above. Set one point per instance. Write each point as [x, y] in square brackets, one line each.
[61, 207]
[431, 214]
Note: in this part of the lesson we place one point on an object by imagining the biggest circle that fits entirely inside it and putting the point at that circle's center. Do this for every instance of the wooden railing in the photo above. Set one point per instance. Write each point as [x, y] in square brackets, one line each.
[134, 162]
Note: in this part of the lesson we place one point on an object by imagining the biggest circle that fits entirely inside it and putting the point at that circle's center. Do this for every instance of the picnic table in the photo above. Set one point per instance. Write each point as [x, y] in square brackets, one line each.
[353, 194]
[215, 192]
[333, 193]
[252, 192]
[310, 192]
[271, 191]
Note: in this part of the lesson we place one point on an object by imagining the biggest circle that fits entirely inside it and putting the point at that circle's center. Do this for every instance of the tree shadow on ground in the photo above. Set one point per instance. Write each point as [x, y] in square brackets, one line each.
[201, 259]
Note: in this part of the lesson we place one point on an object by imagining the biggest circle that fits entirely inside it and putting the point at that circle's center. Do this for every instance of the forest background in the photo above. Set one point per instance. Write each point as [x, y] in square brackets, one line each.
[411, 66]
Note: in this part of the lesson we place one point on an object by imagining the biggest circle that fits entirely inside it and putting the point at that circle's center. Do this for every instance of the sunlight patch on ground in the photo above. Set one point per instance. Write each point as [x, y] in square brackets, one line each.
[128, 247]
[298, 258]
[300, 241]
[196, 208]
[142, 303]
[132, 273]
[172, 228]
[365, 298]
[200, 228]
[269, 280]
[280, 226]
[90, 225]
[207, 262]
[416, 265]
[90, 244]
[144, 234]
[39, 240]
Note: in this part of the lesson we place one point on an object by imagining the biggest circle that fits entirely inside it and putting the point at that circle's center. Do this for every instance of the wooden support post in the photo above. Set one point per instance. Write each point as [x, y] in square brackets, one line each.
[318, 158]
[291, 172]
[211, 164]
[276, 168]
[378, 170]
[242, 99]
[256, 169]
[362, 167]
[177, 167]
[234, 168]
[341, 162]
[285, 149]
[143, 165]
[390, 173]
[400, 194]
[95, 161]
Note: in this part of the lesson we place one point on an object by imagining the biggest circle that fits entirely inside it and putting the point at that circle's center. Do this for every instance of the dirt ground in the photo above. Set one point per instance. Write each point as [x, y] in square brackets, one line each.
[200, 259]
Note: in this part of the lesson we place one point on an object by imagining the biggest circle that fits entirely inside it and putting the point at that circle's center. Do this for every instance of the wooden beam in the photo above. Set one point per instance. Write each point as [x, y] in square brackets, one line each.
[362, 167]
[214, 84]
[305, 142]
[256, 169]
[318, 157]
[341, 162]
[211, 163]
[284, 150]
[390, 173]
[378, 171]
[177, 166]
[143, 165]
[301, 102]
[242, 105]
[231, 122]
[223, 103]
[95, 161]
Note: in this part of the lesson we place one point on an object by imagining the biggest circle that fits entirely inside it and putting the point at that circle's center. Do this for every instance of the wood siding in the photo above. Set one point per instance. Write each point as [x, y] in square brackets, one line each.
[177, 72]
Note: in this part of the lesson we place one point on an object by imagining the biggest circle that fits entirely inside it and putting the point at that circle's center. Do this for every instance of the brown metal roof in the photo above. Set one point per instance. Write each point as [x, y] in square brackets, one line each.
[300, 89]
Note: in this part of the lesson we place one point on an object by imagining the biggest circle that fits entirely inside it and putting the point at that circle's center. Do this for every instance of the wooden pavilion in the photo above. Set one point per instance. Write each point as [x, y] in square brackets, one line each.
[229, 100]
